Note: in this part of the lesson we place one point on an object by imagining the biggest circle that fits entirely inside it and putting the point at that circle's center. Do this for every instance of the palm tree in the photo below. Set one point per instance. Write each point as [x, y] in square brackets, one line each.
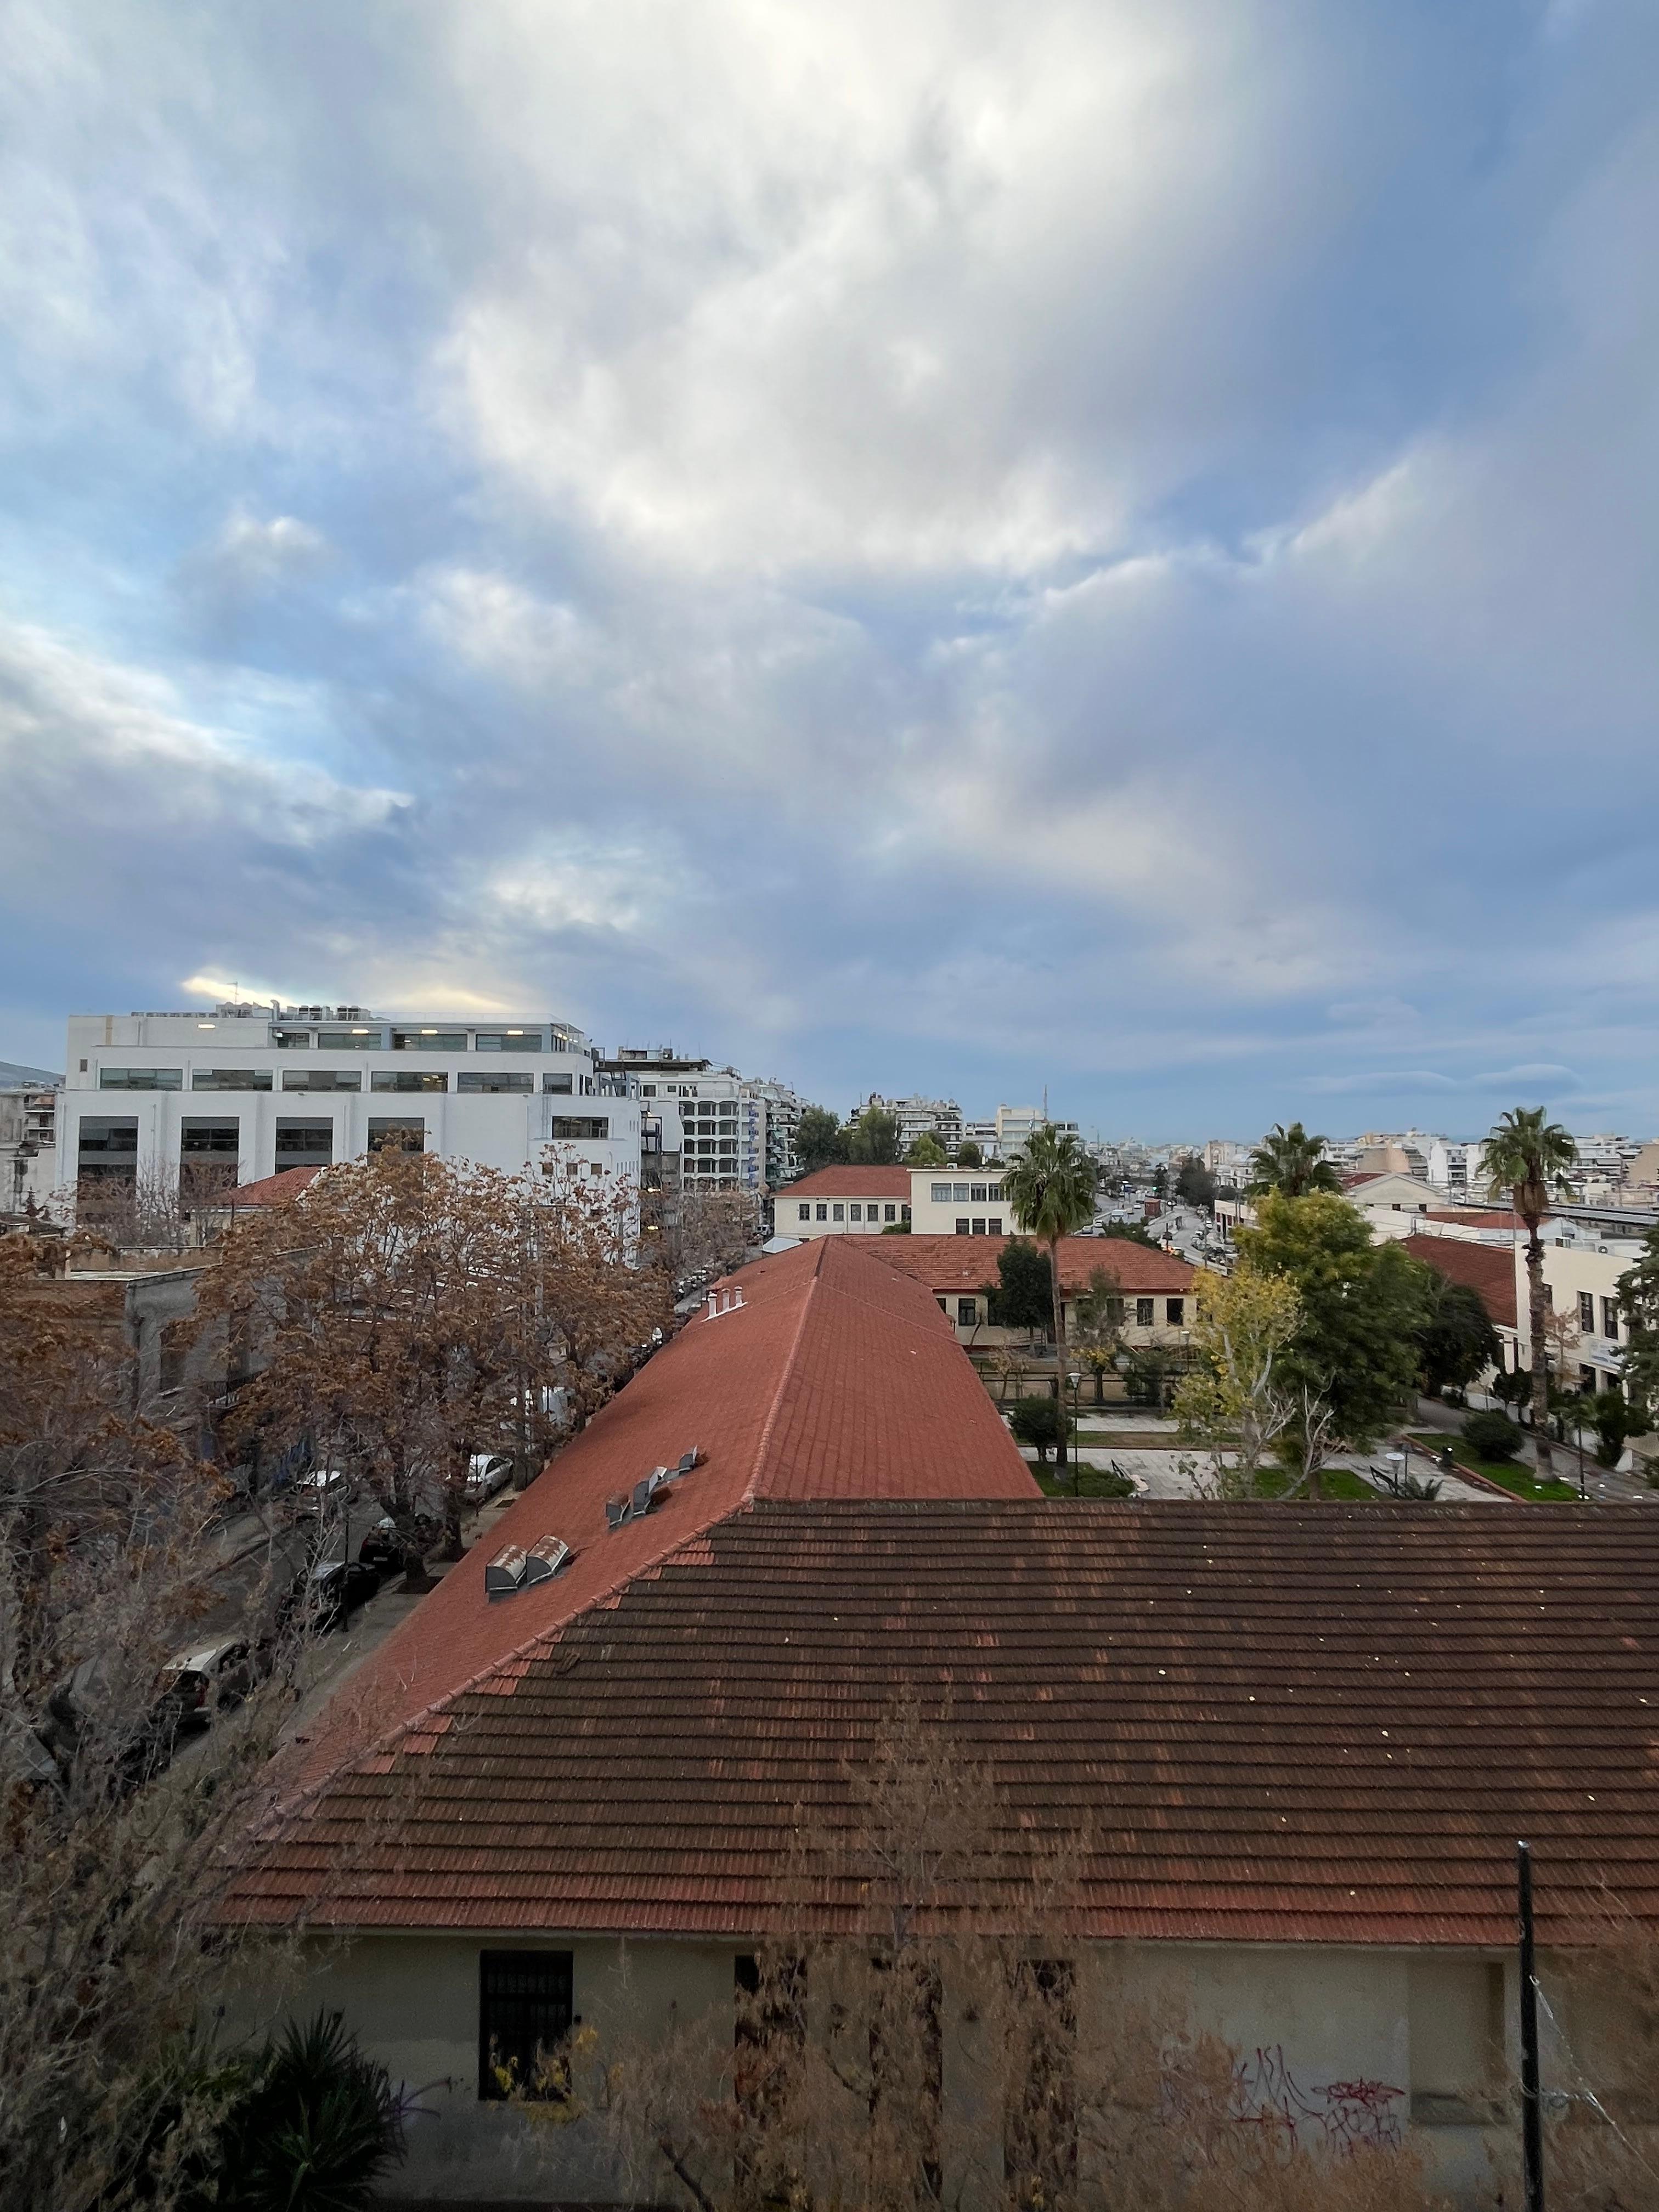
[1049, 1188]
[1523, 1156]
[1290, 1161]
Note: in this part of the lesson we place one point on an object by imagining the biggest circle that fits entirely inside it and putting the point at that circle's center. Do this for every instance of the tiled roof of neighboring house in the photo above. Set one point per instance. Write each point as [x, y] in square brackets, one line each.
[850, 1183]
[835, 1378]
[967, 1263]
[1367, 1174]
[271, 1190]
[1257, 1722]
[1488, 1268]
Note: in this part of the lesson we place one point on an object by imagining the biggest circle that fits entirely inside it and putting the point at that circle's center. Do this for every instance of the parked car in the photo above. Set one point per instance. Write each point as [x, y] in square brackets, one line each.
[486, 1473]
[322, 1490]
[197, 1685]
[328, 1594]
[384, 1549]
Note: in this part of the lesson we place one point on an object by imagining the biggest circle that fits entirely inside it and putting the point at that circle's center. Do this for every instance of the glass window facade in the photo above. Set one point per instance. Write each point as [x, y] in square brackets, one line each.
[304, 1145]
[560, 1086]
[199, 1139]
[510, 1040]
[580, 1128]
[351, 1040]
[230, 1078]
[322, 1079]
[141, 1078]
[413, 1080]
[505, 1079]
[428, 1040]
[108, 1148]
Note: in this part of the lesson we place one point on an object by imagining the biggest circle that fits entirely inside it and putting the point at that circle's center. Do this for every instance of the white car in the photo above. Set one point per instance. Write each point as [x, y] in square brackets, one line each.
[323, 1490]
[486, 1473]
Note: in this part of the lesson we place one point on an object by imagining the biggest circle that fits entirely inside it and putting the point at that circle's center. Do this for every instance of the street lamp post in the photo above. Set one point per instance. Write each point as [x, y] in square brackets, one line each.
[1075, 1377]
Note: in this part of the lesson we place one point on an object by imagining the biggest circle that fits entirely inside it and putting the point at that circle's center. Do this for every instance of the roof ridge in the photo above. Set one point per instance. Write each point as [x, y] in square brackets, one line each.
[751, 1490]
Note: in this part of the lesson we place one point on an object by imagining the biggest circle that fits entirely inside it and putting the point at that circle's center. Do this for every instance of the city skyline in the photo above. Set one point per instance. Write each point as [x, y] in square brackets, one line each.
[970, 550]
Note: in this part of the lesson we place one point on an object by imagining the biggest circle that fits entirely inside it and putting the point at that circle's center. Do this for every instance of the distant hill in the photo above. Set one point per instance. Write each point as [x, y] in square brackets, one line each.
[13, 1076]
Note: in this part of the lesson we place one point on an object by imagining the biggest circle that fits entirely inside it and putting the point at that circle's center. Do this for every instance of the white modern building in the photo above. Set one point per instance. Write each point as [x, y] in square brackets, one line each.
[940, 1118]
[1009, 1127]
[249, 1090]
[726, 1131]
[28, 1142]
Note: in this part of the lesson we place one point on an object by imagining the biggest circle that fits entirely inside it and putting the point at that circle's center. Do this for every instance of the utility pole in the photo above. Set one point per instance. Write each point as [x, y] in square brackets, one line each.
[1532, 2127]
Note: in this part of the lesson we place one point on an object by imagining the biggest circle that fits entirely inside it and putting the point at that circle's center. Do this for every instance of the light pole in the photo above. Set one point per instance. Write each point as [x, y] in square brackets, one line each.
[1075, 1377]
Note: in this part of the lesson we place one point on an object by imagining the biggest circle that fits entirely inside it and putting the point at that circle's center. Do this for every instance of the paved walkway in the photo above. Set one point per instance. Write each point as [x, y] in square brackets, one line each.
[1162, 1474]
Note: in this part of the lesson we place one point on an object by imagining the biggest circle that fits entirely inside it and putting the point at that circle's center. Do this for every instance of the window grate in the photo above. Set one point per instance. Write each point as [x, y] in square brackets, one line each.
[524, 2005]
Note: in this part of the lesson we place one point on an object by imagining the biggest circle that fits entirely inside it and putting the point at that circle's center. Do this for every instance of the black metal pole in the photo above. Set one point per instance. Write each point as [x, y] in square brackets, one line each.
[1532, 2127]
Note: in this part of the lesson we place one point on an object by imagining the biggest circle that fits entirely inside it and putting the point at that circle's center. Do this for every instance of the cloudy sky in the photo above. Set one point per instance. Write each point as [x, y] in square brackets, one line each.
[954, 547]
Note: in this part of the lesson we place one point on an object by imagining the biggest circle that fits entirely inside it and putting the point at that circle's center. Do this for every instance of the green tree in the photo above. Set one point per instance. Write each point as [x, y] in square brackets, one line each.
[1195, 1184]
[1638, 1301]
[1524, 1156]
[926, 1152]
[1615, 1422]
[1049, 1188]
[1355, 1348]
[1233, 1401]
[1131, 1232]
[820, 1140]
[968, 1155]
[1098, 1319]
[1040, 1422]
[1290, 1161]
[872, 1138]
[1456, 1340]
[1022, 1295]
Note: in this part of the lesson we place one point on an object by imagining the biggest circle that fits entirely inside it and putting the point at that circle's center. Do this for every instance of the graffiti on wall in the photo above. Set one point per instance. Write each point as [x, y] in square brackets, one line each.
[1342, 2115]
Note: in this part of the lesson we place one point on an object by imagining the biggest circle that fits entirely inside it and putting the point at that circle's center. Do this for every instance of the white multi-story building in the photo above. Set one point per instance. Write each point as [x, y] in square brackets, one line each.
[725, 1130]
[1003, 1135]
[28, 1141]
[920, 1117]
[249, 1090]
[1456, 1168]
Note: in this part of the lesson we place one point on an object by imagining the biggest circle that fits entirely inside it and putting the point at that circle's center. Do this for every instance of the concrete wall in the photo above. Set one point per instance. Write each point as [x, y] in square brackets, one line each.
[1342, 2045]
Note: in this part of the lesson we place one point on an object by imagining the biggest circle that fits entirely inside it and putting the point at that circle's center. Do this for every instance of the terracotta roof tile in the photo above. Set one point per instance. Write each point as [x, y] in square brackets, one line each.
[835, 1378]
[271, 1190]
[1488, 1268]
[1264, 1723]
[850, 1183]
[964, 1263]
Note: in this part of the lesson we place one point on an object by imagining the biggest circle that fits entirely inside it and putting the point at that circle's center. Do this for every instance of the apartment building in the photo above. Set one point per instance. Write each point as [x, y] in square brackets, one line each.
[940, 1118]
[28, 1141]
[246, 1091]
[714, 1127]
[1009, 1127]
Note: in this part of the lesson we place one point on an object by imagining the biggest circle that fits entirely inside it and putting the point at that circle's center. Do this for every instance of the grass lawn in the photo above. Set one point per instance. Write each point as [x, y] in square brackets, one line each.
[1092, 1482]
[1510, 1474]
[1338, 1482]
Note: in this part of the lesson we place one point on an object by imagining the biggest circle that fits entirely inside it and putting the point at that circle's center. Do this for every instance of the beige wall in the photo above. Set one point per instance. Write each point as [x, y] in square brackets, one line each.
[1419, 2031]
[1569, 1271]
[836, 1217]
[931, 1217]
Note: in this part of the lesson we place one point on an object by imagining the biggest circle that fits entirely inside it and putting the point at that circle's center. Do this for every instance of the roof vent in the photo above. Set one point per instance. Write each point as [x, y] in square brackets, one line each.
[516, 1568]
[637, 1502]
[723, 1302]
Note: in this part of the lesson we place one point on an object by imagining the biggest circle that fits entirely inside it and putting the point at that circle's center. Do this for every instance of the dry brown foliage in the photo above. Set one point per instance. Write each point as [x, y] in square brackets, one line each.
[692, 1232]
[407, 1311]
[112, 1863]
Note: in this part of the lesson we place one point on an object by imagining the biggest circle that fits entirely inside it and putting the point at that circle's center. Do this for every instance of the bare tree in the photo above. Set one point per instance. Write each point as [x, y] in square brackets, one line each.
[116, 1860]
[694, 1231]
[405, 1312]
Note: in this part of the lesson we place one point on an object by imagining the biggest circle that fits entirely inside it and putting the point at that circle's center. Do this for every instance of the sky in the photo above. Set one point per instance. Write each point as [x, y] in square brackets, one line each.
[958, 548]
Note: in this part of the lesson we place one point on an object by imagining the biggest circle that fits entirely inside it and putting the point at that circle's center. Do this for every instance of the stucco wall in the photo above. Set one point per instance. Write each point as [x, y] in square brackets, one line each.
[1343, 2044]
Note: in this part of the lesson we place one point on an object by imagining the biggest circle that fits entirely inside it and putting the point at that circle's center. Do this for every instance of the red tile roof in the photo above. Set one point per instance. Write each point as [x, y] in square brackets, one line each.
[850, 1182]
[835, 1378]
[271, 1190]
[1259, 1723]
[967, 1263]
[1488, 1268]
[1475, 1217]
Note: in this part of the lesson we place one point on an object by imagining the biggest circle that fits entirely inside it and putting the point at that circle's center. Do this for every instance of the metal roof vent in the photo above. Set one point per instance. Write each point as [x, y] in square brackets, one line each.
[637, 1502]
[516, 1568]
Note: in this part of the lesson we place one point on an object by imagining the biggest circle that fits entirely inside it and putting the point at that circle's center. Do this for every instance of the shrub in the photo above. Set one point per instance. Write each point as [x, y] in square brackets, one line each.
[321, 2126]
[1492, 1436]
[1615, 1421]
[1037, 1421]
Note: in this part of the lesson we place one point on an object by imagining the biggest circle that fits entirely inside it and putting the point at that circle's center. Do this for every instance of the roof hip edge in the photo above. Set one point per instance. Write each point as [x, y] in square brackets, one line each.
[751, 1490]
